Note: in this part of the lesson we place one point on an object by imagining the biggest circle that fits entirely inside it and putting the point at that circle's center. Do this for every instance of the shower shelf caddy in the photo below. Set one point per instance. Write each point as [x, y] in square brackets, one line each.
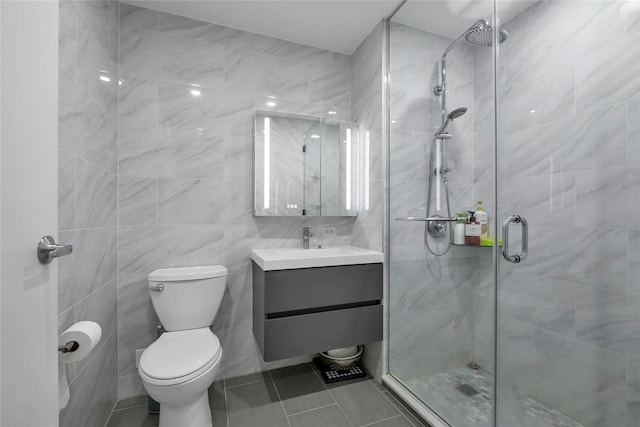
[444, 219]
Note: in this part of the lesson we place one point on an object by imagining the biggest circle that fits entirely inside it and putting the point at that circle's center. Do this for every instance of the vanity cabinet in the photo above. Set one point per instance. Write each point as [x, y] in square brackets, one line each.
[304, 311]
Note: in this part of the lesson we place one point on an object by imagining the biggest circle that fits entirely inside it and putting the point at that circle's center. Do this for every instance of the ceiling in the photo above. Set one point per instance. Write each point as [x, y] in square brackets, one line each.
[451, 18]
[339, 26]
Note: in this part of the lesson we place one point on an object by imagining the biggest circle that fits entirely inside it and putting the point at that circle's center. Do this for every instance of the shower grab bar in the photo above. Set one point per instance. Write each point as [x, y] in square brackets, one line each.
[432, 219]
[515, 219]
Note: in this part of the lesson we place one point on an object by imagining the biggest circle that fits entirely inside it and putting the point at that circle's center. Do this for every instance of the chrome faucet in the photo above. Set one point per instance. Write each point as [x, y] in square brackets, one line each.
[306, 235]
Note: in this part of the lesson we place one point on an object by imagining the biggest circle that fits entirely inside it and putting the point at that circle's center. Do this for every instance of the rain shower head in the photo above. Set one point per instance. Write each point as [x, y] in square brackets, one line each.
[481, 35]
[450, 117]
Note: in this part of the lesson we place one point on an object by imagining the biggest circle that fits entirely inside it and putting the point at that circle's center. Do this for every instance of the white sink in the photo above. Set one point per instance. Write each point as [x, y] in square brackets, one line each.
[287, 259]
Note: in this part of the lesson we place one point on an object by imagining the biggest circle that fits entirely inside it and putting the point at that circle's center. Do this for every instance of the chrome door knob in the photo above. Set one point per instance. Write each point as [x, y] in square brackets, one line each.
[48, 250]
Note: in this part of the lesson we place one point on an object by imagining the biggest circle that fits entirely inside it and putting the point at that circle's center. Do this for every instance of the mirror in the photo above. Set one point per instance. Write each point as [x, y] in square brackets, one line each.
[304, 166]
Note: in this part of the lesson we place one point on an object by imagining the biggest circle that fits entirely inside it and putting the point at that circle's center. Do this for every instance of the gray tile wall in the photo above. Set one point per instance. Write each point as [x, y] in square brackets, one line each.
[185, 172]
[570, 335]
[88, 199]
[366, 99]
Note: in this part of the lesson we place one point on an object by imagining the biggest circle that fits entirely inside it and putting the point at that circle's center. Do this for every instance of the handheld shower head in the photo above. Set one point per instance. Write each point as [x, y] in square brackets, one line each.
[456, 113]
[450, 117]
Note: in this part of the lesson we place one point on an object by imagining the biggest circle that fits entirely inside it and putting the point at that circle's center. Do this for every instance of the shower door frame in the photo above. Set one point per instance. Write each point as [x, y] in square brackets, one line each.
[388, 379]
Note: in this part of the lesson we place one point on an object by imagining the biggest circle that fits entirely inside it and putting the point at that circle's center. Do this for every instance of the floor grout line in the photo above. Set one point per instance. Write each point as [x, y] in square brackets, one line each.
[315, 371]
[284, 411]
[311, 410]
[340, 408]
[128, 407]
[390, 398]
[384, 419]
[226, 404]
[243, 384]
[111, 414]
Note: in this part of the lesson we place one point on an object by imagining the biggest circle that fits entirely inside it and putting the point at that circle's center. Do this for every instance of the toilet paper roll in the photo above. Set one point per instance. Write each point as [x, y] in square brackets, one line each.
[87, 334]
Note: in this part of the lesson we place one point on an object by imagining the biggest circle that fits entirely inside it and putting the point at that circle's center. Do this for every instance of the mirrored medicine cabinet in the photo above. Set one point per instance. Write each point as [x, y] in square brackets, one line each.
[304, 166]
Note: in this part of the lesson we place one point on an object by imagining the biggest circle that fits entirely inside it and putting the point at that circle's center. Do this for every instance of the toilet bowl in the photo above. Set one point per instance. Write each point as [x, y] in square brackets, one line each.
[178, 368]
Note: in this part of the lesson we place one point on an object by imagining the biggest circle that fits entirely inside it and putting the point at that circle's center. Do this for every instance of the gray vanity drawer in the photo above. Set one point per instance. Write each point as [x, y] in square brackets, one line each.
[308, 288]
[316, 332]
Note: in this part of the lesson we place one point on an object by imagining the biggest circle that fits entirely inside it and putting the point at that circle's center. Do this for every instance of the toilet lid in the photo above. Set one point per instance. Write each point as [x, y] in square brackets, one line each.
[180, 354]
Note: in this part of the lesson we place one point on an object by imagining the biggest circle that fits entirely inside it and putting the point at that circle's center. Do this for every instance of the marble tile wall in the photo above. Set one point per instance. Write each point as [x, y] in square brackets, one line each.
[431, 324]
[366, 99]
[570, 329]
[88, 199]
[187, 97]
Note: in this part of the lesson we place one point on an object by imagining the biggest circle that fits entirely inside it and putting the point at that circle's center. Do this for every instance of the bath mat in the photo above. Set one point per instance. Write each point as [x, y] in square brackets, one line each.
[333, 375]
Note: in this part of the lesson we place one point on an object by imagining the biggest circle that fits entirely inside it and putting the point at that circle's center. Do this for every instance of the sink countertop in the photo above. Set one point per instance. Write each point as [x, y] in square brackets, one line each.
[291, 258]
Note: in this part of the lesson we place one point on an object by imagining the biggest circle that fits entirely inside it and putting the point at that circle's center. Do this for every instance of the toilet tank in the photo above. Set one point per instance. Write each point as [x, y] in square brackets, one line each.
[187, 297]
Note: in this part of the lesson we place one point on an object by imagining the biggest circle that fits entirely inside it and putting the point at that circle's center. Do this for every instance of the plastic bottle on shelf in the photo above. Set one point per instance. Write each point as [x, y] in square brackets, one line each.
[472, 231]
[483, 218]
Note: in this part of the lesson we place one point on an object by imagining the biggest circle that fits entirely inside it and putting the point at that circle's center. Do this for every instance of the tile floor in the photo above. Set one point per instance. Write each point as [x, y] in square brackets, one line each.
[287, 397]
[445, 393]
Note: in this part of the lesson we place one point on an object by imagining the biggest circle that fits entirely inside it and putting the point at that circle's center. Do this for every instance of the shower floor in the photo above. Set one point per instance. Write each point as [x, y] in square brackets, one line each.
[462, 396]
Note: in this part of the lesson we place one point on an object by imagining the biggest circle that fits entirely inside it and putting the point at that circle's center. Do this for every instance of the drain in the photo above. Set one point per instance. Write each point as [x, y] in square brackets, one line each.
[467, 390]
[473, 365]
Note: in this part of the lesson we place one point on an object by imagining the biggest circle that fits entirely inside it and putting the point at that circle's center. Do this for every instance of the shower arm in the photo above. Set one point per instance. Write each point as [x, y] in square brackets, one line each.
[478, 23]
[441, 89]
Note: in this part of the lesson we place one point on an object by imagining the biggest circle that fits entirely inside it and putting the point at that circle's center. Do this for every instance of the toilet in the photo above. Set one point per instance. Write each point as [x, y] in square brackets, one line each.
[178, 368]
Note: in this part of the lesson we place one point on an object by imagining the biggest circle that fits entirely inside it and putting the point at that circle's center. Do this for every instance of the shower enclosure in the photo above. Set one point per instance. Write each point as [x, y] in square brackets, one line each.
[540, 120]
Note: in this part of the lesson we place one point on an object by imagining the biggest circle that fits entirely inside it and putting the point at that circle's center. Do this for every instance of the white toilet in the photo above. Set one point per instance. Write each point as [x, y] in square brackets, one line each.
[179, 367]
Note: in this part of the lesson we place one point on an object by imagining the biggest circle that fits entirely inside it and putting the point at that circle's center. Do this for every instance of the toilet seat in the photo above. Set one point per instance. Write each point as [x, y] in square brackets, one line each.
[180, 356]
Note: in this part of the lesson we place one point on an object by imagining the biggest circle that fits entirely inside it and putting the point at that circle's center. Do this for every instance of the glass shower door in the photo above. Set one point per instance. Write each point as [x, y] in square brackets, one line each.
[551, 133]
[569, 162]
[441, 161]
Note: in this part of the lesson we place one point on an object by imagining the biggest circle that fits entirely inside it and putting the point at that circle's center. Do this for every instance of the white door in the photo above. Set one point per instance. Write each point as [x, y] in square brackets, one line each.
[28, 211]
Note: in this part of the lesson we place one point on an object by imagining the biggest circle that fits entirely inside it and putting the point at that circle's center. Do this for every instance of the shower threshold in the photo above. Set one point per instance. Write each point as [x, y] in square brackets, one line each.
[462, 396]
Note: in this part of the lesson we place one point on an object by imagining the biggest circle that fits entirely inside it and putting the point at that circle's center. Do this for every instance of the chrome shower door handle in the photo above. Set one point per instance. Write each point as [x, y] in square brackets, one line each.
[48, 250]
[515, 219]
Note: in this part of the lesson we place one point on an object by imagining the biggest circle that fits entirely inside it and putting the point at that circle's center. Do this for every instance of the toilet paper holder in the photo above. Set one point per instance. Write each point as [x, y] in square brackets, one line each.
[69, 347]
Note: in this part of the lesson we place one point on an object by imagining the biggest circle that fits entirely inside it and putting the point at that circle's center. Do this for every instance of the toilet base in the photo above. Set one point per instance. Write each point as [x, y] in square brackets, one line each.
[194, 413]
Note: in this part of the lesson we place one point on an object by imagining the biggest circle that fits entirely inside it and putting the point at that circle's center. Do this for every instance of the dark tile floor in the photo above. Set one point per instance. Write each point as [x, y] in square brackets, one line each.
[287, 397]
